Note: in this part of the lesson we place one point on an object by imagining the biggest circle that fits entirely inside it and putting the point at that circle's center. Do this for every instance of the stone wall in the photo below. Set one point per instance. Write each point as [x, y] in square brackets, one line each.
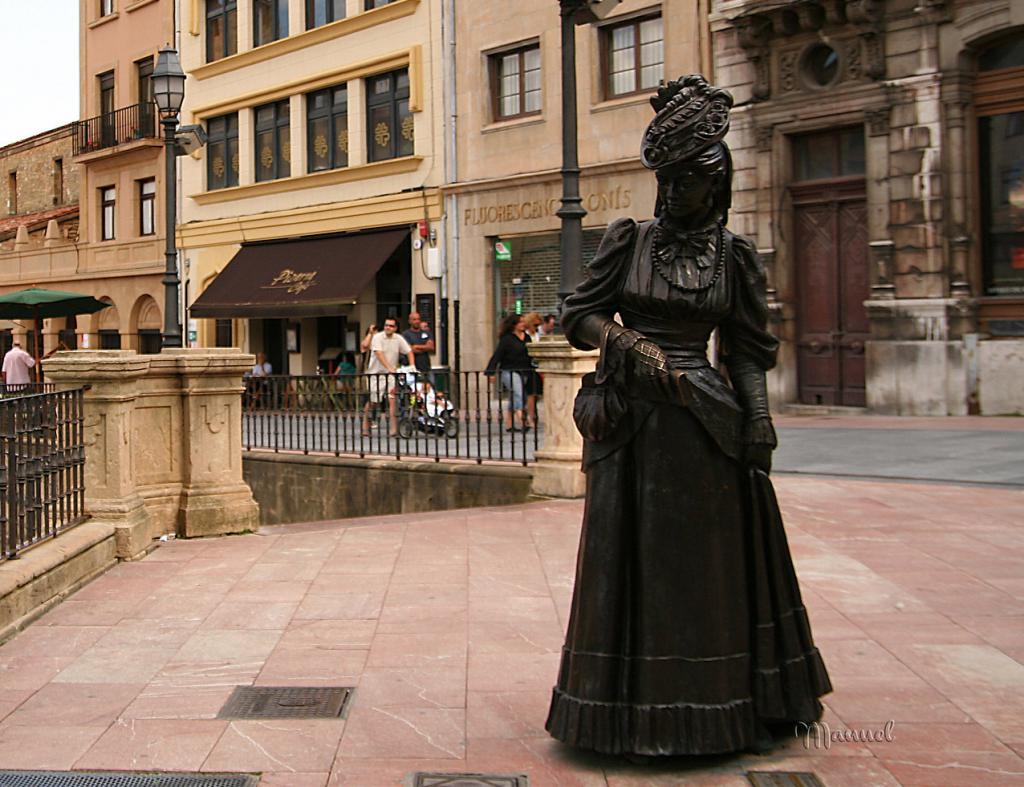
[905, 77]
[163, 441]
[296, 488]
[34, 160]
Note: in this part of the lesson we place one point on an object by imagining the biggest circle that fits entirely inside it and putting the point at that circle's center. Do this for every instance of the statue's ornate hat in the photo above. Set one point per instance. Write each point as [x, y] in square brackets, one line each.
[691, 117]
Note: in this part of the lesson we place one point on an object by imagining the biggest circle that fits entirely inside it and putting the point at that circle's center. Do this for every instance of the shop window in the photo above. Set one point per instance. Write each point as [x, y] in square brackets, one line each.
[273, 141]
[269, 21]
[108, 204]
[1000, 108]
[829, 154]
[323, 12]
[222, 152]
[110, 339]
[632, 56]
[223, 333]
[527, 272]
[389, 126]
[147, 207]
[221, 29]
[516, 82]
[327, 128]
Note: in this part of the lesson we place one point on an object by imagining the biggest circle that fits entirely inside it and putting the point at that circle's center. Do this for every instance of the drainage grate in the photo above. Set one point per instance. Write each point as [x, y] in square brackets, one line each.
[122, 779]
[470, 780]
[286, 702]
[783, 779]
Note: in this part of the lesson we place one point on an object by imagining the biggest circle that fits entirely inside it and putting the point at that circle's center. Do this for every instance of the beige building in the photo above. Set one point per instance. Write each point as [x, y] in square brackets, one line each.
[314, 210]
[501, 208]
[100, 181]
[38, 216]
[878, 149]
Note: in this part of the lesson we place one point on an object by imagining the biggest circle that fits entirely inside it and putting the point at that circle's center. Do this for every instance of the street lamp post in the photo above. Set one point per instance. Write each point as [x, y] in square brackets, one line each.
[571, 212]
[169, 93]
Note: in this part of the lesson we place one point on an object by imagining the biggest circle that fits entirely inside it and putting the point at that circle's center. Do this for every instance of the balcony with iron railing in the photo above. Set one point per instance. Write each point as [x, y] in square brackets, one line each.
[124, 125]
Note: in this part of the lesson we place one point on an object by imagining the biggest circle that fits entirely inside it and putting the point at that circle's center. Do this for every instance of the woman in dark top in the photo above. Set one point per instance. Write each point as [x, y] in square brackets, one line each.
[687, 633]
[512, 362]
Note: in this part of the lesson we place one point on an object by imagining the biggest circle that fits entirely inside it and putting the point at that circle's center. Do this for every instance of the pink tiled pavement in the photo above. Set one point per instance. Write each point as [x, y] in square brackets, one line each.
[449, 626]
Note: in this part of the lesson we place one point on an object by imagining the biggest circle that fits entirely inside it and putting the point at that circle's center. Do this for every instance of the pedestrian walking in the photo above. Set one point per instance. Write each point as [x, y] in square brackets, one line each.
[385, 350]
[510, 362]
[16, 367]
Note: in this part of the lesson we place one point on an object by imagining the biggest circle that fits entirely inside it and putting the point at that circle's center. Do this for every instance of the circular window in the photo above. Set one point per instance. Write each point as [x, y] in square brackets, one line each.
[820, 65]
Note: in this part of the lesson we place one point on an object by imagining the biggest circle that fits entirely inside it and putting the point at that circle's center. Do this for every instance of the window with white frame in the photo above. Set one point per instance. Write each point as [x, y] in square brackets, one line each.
[632, 55]
[108, 204]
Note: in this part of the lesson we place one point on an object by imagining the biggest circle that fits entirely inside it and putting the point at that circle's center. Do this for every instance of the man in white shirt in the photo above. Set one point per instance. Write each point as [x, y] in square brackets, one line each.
[262, 368]
[385, 350]
[17, 362]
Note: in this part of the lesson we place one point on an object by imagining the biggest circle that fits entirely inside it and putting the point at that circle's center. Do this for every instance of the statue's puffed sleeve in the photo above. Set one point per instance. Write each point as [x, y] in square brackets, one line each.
[748, 348]
[594, 302]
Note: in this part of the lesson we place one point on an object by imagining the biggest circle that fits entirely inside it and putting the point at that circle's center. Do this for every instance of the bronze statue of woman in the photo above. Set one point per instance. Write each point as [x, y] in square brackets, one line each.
[687, 633]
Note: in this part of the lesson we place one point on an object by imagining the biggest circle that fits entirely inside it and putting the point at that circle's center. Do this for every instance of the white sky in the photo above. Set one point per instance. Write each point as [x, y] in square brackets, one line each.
[38, 66]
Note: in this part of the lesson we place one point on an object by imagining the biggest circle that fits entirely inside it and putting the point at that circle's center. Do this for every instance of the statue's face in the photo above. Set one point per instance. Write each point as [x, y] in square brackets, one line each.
[683, 191]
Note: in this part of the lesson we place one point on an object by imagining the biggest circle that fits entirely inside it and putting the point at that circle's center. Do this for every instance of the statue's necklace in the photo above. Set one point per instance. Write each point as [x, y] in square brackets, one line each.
[664, 253]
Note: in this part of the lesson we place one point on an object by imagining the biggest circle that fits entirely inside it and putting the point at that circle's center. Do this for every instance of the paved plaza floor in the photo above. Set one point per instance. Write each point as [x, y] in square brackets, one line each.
[969, 449]
[449, 626]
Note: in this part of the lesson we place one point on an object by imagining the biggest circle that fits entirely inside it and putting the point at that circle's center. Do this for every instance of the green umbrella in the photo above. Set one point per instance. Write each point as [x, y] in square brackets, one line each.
[37, 304]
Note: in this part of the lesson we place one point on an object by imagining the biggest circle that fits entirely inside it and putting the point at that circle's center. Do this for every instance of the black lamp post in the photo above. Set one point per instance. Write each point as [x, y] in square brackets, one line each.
[573, 12]
[169, 93]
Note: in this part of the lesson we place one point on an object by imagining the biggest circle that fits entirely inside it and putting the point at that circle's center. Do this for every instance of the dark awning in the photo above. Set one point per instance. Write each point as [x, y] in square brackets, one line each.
[312, 277]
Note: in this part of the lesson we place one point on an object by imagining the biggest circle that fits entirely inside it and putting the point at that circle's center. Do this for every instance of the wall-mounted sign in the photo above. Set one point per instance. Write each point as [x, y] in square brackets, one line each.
[502, 251]
[615, 199]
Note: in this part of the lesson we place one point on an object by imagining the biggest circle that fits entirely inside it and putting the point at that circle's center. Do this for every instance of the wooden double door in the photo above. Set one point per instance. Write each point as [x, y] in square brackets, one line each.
[831, 255]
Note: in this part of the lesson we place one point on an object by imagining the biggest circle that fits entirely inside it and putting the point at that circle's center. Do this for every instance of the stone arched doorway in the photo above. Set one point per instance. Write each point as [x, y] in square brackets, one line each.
[145, 325]
[107, 326]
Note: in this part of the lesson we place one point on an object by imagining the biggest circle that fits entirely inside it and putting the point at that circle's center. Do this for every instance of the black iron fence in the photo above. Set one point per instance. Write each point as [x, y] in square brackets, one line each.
[42, 467]
[127, 124]
[461, 416]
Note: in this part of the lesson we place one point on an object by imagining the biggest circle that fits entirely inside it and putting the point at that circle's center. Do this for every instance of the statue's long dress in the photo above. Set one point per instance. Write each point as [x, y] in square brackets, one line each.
[687, 625]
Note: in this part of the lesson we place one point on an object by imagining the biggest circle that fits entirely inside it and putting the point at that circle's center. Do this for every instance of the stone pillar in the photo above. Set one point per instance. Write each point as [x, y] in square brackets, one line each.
[111, 495]
[557, 471]
[214, 497]
[163, 441]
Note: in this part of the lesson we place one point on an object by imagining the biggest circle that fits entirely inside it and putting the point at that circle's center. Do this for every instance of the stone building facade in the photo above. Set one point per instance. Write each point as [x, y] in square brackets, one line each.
[503, 231]
[106, 239]
[38, 181]
[314, 209]
[877, 148]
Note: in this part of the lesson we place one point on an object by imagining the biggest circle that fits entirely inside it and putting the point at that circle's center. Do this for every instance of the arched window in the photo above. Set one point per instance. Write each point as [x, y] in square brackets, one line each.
[999, 103]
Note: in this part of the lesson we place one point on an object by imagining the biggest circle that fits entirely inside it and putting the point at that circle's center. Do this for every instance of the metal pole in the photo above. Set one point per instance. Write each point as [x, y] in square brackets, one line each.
[172, 284]
[571, 212]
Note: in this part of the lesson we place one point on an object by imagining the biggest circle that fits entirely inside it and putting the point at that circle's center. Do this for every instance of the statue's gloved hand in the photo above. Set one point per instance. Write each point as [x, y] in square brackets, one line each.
[627, 354]
[647, 361]
[760, 440]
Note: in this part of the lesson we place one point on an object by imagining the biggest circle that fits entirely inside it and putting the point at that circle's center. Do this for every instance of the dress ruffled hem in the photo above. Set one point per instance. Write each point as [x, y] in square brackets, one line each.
[651, 730]
[790, 692]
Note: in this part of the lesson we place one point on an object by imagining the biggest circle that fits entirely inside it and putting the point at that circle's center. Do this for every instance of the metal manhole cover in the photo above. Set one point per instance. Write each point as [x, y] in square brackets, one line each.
[123, 779]
[470, 780]
[286, 702]
[783, 779]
